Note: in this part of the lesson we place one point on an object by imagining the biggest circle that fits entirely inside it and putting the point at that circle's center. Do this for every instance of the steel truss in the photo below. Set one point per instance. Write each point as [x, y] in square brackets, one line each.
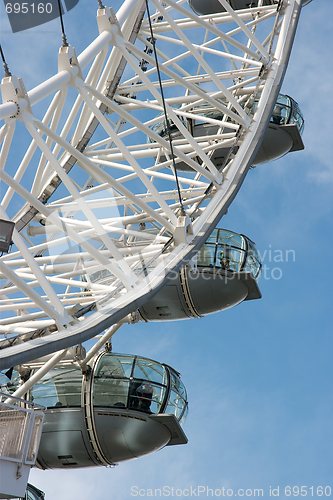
[88, 175]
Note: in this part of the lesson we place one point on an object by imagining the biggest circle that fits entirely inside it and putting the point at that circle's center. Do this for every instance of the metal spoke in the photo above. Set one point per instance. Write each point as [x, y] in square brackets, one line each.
[105, 203]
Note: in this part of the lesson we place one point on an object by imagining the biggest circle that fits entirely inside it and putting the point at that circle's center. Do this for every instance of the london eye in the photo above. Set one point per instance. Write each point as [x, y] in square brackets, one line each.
[115, 173]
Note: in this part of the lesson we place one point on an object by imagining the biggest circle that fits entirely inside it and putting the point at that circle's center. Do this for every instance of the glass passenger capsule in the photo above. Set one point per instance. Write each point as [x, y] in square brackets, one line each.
[205, 7]
[124, 407]
[283, 134]
[223, 274]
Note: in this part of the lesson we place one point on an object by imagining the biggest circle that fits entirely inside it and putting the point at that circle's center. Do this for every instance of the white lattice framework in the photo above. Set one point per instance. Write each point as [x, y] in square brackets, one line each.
[88, 178]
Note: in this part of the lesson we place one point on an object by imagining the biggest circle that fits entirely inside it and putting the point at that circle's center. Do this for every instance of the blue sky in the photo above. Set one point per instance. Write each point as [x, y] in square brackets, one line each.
[259, 376]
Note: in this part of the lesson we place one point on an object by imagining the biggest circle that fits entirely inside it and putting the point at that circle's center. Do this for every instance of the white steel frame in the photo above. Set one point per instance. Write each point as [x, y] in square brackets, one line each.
[99, 226]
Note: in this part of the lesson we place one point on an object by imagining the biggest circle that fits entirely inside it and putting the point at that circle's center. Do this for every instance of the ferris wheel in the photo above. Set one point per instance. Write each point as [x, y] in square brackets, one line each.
[116, 169]
[115, 172]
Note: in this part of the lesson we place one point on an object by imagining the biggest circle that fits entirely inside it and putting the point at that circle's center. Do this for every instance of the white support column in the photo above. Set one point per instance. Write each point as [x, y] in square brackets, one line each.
[102, 341]
[36, 377]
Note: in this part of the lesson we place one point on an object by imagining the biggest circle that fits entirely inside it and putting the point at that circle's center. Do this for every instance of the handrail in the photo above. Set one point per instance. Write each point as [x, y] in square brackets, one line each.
[28, 404]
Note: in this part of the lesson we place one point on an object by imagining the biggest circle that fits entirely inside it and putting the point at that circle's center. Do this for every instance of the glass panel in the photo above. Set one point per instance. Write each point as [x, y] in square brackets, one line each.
[184, 416]
[44, 391]
[230, 238]
[253, 263]
[182, 390]
[230, 251]
[281, 114]
[158, 398]
[149, 370]
[296, 115]
[9, 385]
[175, 405]
[178, 398]
[109, 392]
[111, 381]
[212, 237]
[206, 256]
[223, 249]
[146, 397]
[229, 258]
[177, 385]
[112, 366]
[208, 111]
[286, 110]
[60, 387]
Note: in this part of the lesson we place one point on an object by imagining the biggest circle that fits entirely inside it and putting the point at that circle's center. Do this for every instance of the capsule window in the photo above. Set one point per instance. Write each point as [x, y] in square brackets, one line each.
[206, 256]
[149, 370]
[146, 396]
[111, 381]
[177, 402]
[138, 384]
[60, 387]
[114, 367]
[253, 263]
[111, 392]
[224, 250]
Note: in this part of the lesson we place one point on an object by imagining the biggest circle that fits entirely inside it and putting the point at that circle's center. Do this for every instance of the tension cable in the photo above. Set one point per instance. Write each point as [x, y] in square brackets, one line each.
[167, 123]
[4, 63]
[64, 38]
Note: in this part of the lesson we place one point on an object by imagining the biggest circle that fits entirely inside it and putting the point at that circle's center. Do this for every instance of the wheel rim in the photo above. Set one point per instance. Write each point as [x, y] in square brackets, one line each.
[112, 223]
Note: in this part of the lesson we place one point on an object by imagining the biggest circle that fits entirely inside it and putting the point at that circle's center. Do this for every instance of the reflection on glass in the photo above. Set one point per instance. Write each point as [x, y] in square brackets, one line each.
[110, 392]
[60, 387]
[118, 381]
[111, 381]
[286, 111]
[139, 384]
[230, 251]
[177, 402]
[114, 367]
[146, 396]
[149, 370]
[9, 385]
